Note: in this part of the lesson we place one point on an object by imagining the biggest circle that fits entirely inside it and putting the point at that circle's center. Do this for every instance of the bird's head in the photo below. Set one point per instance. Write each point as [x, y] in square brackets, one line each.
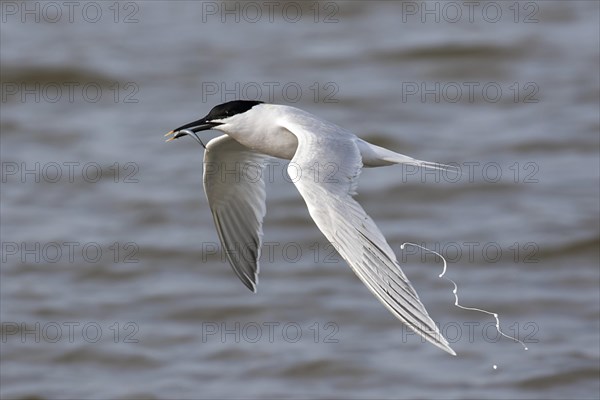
[223, 114]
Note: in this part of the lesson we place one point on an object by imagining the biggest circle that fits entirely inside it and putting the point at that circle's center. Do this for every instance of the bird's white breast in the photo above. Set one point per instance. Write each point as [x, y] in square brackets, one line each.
[259, 130]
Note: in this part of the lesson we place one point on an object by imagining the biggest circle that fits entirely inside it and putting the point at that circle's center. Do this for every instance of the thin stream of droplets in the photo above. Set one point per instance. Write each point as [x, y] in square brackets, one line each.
[455, 292]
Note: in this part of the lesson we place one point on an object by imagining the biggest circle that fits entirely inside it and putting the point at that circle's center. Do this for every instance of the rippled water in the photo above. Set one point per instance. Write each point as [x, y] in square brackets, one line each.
[111, 282]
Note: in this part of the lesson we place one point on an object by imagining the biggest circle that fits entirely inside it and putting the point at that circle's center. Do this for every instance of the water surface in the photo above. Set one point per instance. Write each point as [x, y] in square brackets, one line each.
[112, 285]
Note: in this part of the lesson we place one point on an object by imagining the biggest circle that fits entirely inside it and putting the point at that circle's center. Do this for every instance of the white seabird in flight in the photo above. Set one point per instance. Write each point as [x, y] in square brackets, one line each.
[327, 161]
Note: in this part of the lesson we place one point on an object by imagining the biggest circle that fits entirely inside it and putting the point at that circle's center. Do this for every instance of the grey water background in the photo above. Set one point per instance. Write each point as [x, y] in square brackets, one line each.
[111, 282]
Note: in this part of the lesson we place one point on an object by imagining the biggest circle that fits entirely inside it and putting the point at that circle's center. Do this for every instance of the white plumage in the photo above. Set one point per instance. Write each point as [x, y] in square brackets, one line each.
[327, 161]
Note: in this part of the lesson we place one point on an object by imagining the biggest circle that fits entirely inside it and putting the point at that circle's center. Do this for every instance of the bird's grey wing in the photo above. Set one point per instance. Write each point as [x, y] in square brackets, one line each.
[235, 189]
[326, 167]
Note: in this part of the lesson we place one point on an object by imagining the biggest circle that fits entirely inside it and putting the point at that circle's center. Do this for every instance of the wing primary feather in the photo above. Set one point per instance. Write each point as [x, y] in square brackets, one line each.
[237, 204]
[238, 268]
[347, 226]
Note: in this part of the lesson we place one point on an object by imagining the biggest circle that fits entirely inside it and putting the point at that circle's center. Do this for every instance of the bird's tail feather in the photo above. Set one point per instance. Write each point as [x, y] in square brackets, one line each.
[397, 158]
[376, 156]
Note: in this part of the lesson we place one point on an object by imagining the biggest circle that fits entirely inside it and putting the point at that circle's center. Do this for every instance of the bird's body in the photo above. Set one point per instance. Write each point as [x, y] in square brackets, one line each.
[325, 165]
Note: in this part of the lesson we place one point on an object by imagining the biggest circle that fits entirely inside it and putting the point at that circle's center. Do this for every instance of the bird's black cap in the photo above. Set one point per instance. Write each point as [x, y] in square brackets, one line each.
[231, 108]
[221, 111]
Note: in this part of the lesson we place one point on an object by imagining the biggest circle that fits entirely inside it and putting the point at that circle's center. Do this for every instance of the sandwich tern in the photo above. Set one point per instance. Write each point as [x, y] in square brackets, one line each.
[256, 131]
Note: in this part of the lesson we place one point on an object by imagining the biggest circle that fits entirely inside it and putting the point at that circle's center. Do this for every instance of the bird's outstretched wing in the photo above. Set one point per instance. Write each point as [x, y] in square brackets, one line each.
[325, 170]
[235, 189]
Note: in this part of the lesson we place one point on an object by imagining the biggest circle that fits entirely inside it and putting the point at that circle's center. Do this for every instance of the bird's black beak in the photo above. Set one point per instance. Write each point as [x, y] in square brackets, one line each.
[191, 128]
[197, 126]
